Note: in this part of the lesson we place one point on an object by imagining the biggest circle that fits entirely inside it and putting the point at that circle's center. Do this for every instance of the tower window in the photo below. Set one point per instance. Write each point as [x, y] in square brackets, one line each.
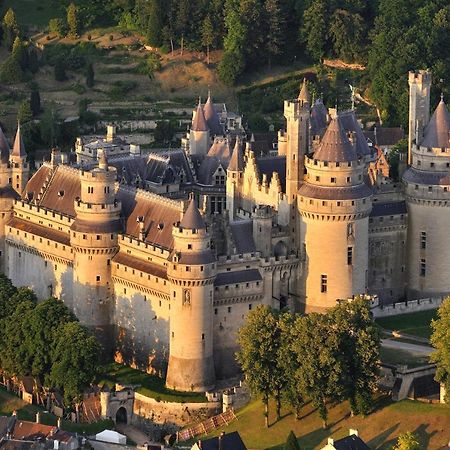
[333, 179]
[317, 178]
[229, 309]
[349, 256]
[423, 267]
[423, 240]
[348, 179]
[97, 277]
[430, 188]
[203, 336]
[90, 190]
[189, 246]
[323, 283]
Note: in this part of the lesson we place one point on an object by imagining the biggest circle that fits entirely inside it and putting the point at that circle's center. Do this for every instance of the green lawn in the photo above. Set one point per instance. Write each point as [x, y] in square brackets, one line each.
[379, 430]
[10, 402]
[417, 324]
[35, 12]
[151, 385]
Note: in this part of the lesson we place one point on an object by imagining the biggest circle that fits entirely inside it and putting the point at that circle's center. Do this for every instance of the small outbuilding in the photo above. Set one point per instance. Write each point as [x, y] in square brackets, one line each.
[113, 437]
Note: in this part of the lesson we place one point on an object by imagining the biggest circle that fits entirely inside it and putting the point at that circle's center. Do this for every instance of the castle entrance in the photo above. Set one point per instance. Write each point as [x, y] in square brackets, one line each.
[121, 415]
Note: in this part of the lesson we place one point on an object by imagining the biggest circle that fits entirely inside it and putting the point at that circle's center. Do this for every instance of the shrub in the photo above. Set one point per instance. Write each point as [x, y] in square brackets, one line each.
[57, 26]
[231, 67]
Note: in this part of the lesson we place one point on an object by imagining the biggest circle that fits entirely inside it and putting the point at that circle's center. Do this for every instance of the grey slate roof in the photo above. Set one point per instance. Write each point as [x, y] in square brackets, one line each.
[269, 164]
[238, 276]
[19, 146]
[236, 162]
[199, 122]
[192, 219]
[4, 148]
[429, 178]
[318, 119]
[352, 442]
[242, 232]
[230, 441]
[388, 209]
[350, 123]
[437, 132]
[218, 155]
[335, 193]
[212, 118]
[335, 145]
[385, 136]
[304, 93]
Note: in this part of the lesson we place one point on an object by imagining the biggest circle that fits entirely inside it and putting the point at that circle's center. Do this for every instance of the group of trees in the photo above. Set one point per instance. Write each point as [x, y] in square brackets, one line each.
[44, 340]
[317, 357]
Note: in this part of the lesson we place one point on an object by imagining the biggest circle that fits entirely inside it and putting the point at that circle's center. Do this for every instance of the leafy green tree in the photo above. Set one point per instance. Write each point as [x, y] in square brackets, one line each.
[231, 67]
[207, 35]
[407, 441]
[19, 52]
[155, 23]
[164, 131]
[259, 341]
[24, 113]
[74, 357]
[57, 26]
[183, 17]
[33, 61]
[291, 442]
[359, 350]
[90, 75]
[73, 21]
[440, 339]
[315, 28]
[275, 29]
[7, 291]
[10, 27]
[398, 150]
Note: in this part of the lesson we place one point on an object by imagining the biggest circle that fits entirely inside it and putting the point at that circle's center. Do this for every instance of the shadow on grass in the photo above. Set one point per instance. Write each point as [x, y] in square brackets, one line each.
[381, 438]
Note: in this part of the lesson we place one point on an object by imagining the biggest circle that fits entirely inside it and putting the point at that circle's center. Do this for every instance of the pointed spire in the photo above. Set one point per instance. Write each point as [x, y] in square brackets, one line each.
[199, 122]
[304, 93]
[236, 161]
[252, 138]
[4, 148]
[192, 219]
[19, 147]
[103, 160]
[437, 132]
[335, 145]
[212, 119]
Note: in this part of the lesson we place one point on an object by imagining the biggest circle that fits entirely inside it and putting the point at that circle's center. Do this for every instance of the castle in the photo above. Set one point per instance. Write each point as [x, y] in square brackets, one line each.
[166, 287]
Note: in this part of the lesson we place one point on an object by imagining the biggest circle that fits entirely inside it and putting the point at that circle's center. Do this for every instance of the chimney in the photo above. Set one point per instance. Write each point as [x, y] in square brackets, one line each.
[59, 423]
[38, 417]
[352, 432]
[330, 441]
[110, 133]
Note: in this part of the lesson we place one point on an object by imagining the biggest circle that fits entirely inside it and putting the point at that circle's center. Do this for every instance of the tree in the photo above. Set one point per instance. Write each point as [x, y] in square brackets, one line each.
[155, 23]
[24, 113]
[259, 341]
[10, 27]
[35, 101]
[73, 22]
[164, 131]
[207, 35]
[359, 350]
[90, 75]
[231, 67]
[275, 29]
[7, 291]
[75, 357]
[33, 61]
[315, 27]
[183, 18]
[407, 441]
[57, 26]
[440, 339]
[398, 150]
[19, 53]
[291, 442]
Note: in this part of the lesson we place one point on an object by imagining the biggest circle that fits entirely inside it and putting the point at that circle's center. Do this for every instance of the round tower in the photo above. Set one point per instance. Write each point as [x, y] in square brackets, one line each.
[94, 240]
[199, 135]
[262, 229]
[427, 188]
[191, 273]
[334, 205]
[7, 195]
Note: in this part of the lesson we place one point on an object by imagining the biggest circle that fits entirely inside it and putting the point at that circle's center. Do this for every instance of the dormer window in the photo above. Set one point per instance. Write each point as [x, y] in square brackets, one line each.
[61, 193]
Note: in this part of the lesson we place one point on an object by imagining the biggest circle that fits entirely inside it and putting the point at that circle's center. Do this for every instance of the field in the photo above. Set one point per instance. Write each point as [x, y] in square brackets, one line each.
[151, 385]
[379, 430]
[10, 403]
[417, 324]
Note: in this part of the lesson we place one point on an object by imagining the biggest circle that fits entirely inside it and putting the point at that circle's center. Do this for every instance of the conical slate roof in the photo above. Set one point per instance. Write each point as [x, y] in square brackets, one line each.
[192, 219]
[335, 145]
[199, 122]
[212, 118]
[4, 148]
[236, 161]
[437, 131]
[19, 146]
[304, 93]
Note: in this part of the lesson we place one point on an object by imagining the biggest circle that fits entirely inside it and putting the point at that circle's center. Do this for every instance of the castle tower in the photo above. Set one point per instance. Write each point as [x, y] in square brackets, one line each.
[18, 160]
[199, 135]
[262, 229]
[234, 176]
[7, 195]
[297, 114]
[419, 105]
[212, 118]
[191, 272]
[334, 205]
[94, 240]
[427, 189]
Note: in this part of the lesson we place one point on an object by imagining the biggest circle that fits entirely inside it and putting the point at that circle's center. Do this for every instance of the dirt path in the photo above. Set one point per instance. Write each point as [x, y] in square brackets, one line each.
[133, 433]
[412, 348]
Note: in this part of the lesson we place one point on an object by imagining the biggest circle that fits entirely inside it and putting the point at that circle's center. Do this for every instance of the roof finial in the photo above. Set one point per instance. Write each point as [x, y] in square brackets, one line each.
[442, 96]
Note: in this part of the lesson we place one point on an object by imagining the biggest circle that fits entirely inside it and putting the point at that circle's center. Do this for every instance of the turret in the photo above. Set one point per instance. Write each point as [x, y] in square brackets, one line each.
[212, 118]
[234, 176]
[191, 273]
[18, 161]
[199, 136]
[334, 205]
[297, 113]
[262, 229]
[94, 240]
[419, 106]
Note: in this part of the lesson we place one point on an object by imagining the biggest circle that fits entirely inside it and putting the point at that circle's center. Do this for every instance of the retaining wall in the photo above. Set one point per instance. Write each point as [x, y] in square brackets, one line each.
[407, 307]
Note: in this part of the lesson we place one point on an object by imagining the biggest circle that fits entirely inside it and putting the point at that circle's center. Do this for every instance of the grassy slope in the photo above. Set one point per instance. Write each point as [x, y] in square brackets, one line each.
[417, 323]
[10, 403]
[379, 430]
[35, 13]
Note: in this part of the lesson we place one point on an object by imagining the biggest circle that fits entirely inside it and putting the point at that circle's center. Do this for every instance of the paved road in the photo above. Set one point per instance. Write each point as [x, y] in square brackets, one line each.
[412, 348]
